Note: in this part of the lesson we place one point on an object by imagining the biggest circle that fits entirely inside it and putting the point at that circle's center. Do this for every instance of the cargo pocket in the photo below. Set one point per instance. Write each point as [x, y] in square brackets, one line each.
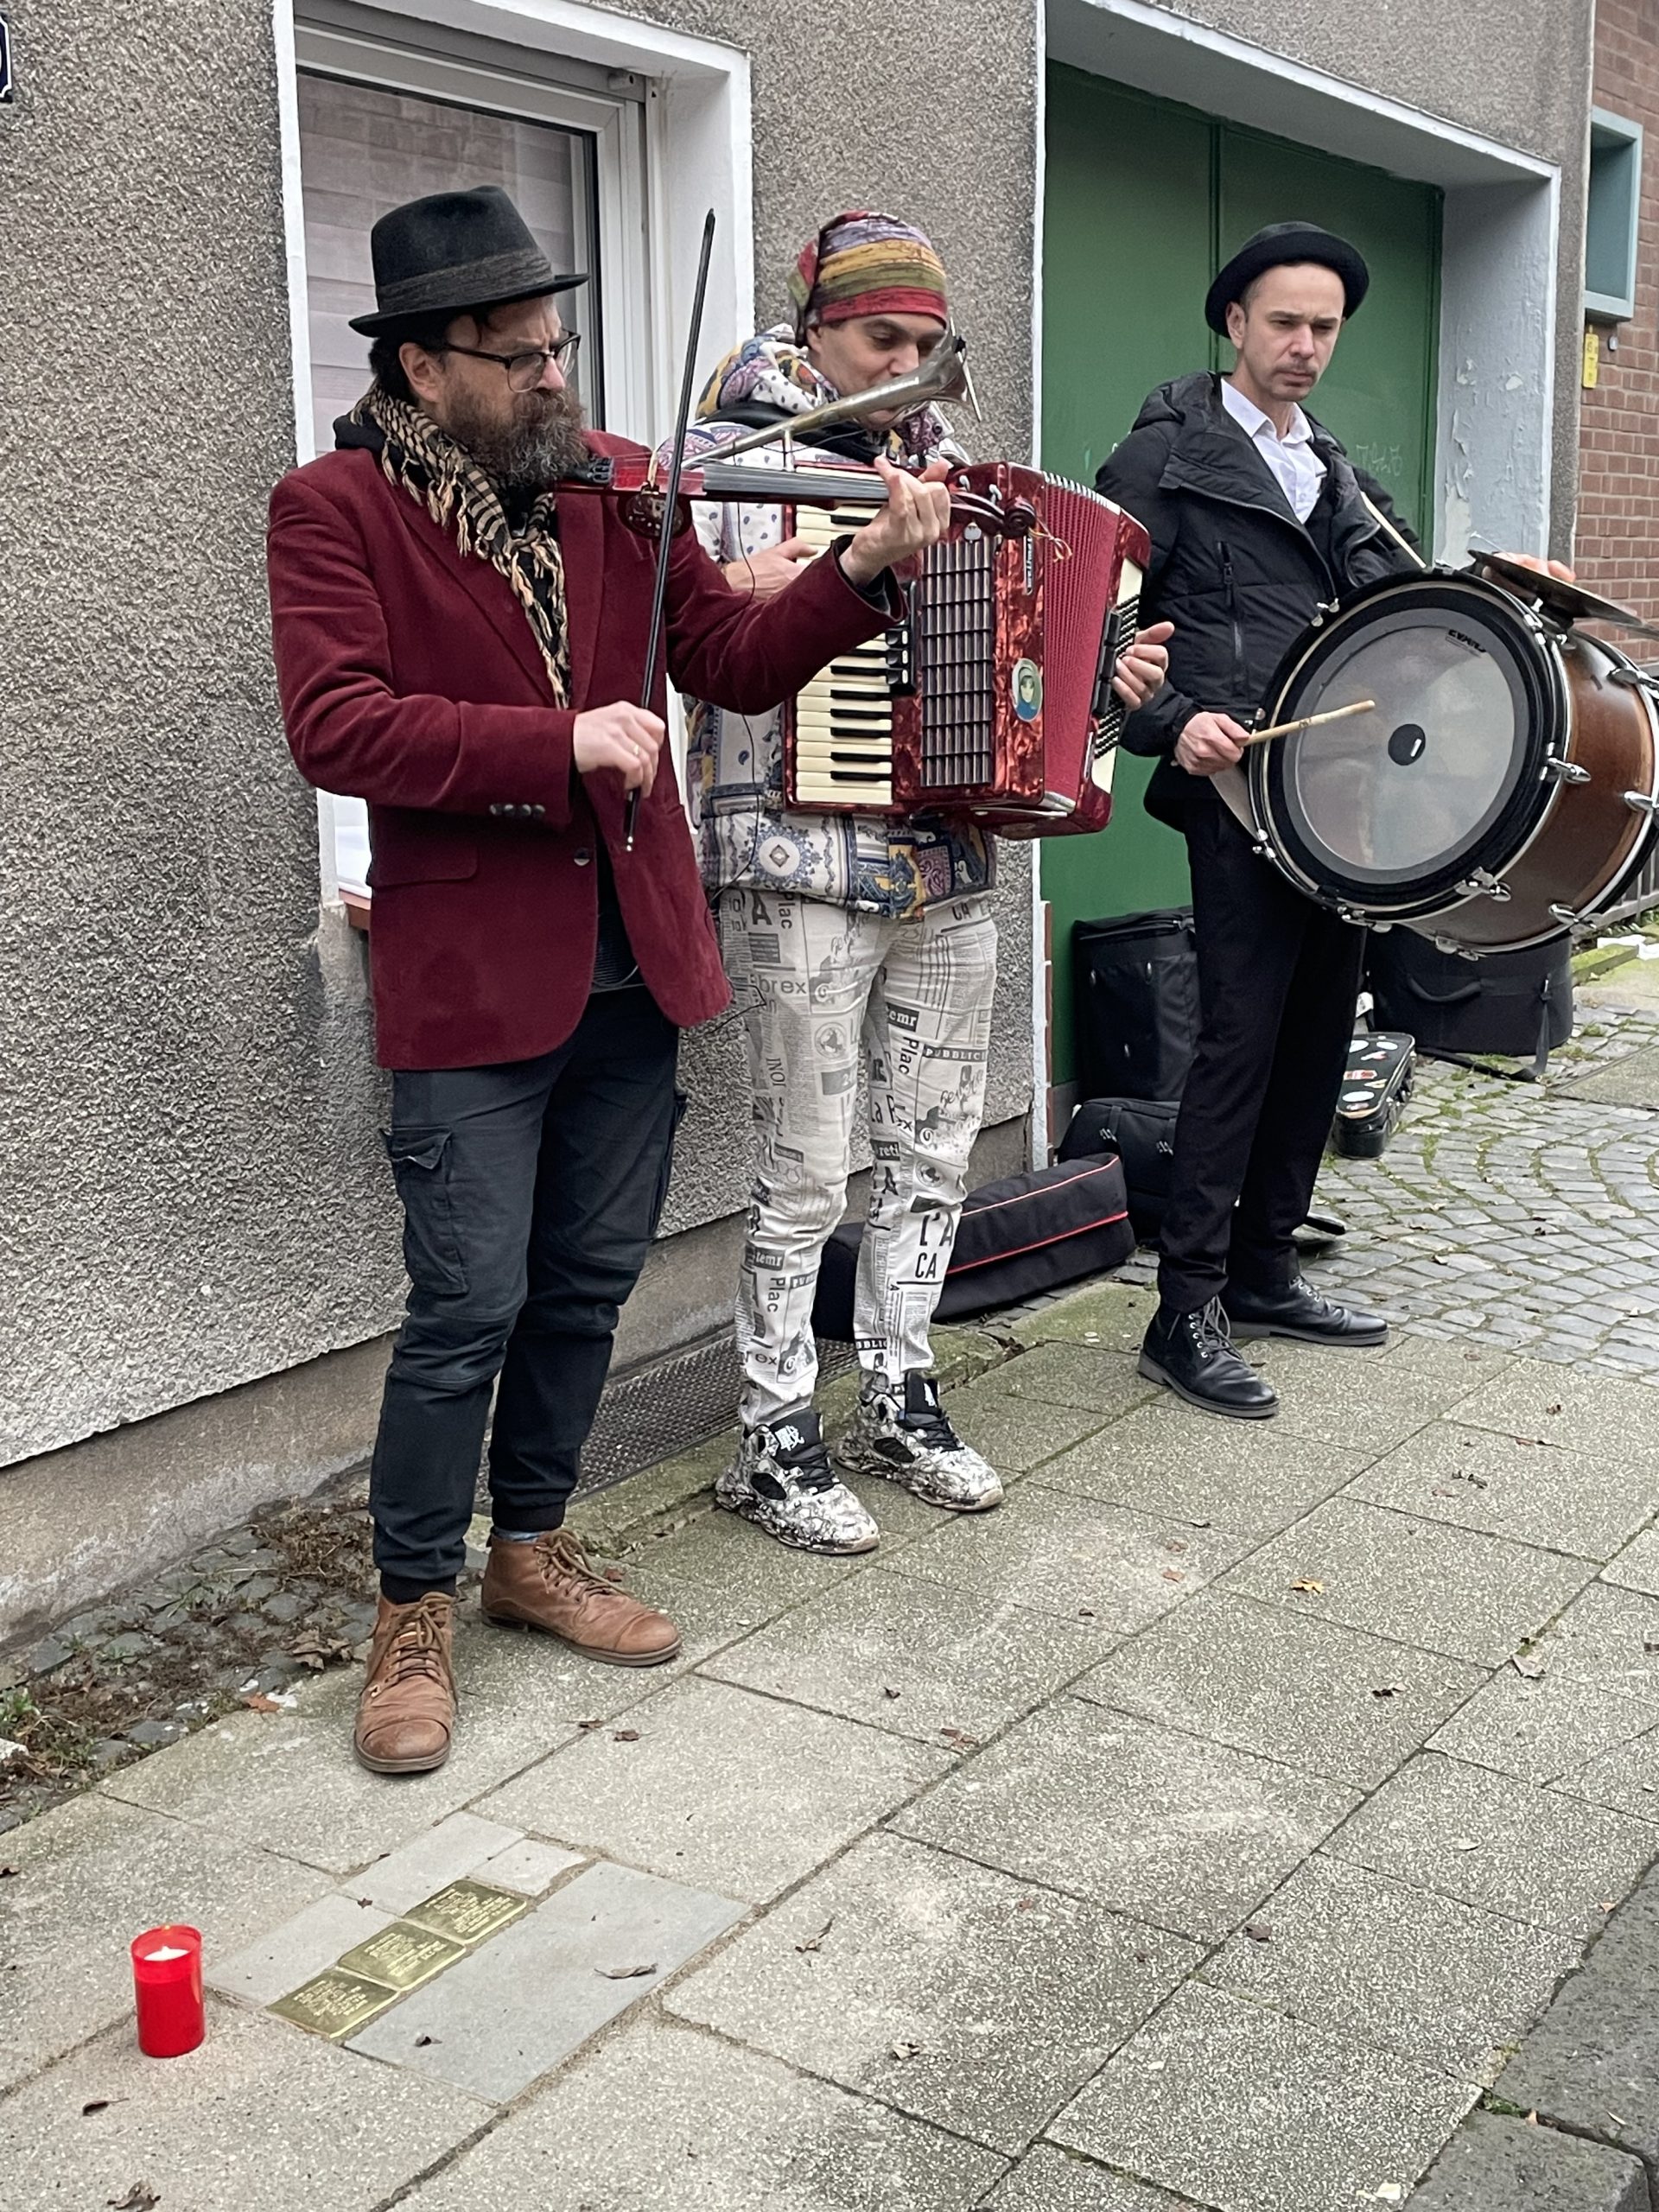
[420, 1166]
[665, 1173]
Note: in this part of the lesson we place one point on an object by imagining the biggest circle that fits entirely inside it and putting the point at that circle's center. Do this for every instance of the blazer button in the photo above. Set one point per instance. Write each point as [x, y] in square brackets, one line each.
[538, 812]
[581, 858]
[498, 809]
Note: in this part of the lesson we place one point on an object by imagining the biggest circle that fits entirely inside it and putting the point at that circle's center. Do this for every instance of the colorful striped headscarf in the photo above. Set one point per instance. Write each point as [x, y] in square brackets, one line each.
[864, 262]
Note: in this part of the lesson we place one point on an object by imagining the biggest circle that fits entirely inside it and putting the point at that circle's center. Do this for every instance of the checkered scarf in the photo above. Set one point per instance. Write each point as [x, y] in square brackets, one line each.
[443, 478]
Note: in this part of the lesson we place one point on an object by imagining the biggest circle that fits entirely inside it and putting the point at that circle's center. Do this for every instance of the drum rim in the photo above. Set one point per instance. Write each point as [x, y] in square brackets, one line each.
[1524, 813]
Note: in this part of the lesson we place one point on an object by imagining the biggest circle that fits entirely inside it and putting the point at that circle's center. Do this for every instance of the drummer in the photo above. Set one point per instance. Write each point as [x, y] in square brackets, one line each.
[1257, 516]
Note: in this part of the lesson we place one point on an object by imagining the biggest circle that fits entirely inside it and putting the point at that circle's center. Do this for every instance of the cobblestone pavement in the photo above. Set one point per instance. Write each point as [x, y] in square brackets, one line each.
[1519, 1214]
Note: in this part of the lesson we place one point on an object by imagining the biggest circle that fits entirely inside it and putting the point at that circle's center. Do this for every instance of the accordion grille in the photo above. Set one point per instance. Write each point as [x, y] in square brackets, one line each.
[956, 641]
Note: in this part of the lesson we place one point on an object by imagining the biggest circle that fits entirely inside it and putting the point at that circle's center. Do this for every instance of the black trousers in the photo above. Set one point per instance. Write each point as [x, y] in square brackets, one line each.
[530, 1194]
[1278, 978]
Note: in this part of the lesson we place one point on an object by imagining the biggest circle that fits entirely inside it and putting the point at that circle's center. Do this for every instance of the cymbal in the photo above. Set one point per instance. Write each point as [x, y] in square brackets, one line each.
[1569, 600]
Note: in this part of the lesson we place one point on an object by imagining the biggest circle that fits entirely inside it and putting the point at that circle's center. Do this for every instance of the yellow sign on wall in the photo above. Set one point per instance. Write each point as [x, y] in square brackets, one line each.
[1592, 356]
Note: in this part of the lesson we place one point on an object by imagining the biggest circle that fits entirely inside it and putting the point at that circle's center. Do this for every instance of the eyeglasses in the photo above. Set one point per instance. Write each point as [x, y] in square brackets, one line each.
[525, 370]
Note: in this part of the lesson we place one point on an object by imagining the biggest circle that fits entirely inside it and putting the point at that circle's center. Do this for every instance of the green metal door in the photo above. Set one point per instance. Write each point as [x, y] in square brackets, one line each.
[1144, 201]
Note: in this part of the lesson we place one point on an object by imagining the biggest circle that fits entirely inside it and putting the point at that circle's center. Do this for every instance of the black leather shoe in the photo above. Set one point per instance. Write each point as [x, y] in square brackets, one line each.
[1296, 1311]
[1192, 1354]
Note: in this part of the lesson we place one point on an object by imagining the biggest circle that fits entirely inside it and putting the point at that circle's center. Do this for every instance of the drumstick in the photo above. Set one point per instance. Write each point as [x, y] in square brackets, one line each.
[1310, 721]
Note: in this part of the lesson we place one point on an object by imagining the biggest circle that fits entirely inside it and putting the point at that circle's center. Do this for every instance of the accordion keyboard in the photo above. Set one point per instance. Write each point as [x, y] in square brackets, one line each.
[843, 718]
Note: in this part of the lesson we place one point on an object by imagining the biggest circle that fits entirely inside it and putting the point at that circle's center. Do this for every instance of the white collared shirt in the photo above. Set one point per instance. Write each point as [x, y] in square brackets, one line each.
[1298, 469]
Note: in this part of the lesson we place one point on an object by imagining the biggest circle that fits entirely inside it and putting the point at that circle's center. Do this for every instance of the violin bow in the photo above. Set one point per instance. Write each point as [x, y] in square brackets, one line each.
[666, 540]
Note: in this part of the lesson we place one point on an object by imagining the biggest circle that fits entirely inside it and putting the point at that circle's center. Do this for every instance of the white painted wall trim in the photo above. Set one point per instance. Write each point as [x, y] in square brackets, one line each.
[1500, 242]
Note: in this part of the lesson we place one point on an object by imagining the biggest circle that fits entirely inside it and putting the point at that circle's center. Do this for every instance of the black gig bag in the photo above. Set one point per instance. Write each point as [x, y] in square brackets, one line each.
[1135, 993]
[1517, 1004]
[1016, 1239]
[1141, 1132]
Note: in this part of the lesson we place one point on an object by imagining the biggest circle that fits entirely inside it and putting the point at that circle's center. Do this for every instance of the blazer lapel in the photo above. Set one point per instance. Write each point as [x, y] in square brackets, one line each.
[582, 541]
[489, 590]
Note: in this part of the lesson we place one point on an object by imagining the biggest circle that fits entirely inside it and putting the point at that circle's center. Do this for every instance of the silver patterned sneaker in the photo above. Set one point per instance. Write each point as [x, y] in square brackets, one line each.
[902, 1432]
[782, 1481]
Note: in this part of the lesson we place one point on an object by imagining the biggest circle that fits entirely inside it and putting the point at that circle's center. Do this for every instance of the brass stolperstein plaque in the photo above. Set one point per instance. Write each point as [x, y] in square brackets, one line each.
[468, 1911]
[334, 2004]
[401, 1957]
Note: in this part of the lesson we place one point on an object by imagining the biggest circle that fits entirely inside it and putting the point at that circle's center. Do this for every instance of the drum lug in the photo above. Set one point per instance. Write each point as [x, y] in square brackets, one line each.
[1565, 916]
[1484, 884]
[1640, 803]
[1450, 944]
[1565, 771]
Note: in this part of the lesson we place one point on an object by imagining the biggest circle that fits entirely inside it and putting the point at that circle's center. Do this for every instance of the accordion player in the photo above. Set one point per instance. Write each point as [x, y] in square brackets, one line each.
[995, 697]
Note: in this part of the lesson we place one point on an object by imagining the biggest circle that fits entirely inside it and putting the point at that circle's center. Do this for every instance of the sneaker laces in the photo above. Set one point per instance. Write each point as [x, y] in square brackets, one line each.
[807, 1464]
[934, 1426]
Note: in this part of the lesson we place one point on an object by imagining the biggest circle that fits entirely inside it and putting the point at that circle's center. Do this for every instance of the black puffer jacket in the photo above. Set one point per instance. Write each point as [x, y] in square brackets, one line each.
[1231, 567]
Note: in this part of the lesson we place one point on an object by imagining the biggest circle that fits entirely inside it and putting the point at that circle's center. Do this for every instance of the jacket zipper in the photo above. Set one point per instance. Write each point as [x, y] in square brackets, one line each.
[1240, 672]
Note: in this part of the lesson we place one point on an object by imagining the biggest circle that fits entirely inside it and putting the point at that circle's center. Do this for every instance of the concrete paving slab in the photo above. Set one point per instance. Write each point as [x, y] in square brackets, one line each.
[720, 1578]
[1493, 2163]
[1443, 1589]
[1075, 1557]
[524, 2001]
[292, 1952]
[913, 1656]
[290, 1784]
[1498, 1843]
[1543, 1729]
[259, 2117]
[1369, 1401]
[1632, 1080]
[1084, 1376]
[1580, 1410]
[1050, 2180]
[1592, 2065]
[1015, 1433]
[1239, 2107]
[1188, 1835]
[1247, 1476]
[423, 1865]
[1625, 1775]
[1385, 1964]
[1322, 1698]
[1111, 1315]
[528, 1867]
[951, 1992]
[668, 2118]
[723, 1789]
[1564, 1500]
[1636, 1568]
[92, 1875]
[1607, 1636]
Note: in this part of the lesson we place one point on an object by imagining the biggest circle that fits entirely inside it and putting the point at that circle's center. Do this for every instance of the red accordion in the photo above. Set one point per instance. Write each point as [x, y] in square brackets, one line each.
[995, 697]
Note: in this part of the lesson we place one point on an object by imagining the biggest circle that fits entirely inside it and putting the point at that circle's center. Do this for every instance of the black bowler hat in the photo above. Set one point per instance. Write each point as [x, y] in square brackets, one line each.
[451, 252]
[1278, 246]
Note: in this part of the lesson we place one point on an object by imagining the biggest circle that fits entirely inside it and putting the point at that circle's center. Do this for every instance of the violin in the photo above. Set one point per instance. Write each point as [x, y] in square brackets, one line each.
[632, 480]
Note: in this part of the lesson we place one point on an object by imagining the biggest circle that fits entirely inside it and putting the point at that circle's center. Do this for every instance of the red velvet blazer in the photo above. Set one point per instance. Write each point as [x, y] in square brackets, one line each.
[409, 678]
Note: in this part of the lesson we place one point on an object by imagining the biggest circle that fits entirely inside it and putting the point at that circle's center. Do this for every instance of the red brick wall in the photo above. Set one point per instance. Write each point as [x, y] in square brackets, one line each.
[1618, 550]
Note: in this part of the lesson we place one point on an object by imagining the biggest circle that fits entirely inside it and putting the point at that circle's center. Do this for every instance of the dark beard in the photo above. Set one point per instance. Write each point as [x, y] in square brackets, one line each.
[541, 442]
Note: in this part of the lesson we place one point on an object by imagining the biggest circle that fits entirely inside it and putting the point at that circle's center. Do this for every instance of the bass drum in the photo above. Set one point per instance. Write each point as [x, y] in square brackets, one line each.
[1502, 789]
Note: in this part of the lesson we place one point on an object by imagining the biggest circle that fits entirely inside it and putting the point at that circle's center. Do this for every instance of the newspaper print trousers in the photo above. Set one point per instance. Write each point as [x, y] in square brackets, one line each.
[822, 986]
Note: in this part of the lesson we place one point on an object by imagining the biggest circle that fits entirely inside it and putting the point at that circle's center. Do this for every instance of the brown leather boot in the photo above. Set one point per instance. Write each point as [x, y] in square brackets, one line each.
[550, 1585]
[406, 1715]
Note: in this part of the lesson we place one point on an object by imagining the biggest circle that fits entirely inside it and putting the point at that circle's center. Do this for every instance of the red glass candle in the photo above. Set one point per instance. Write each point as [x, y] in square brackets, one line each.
[166, 1985]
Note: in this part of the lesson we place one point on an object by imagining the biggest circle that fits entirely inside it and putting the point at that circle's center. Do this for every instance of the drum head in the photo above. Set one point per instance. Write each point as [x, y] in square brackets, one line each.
[1388, 811]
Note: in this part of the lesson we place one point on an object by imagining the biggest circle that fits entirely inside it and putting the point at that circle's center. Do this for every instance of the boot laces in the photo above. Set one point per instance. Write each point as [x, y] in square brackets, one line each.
[417, 1646]
[1209, 1330]
[562, 1556]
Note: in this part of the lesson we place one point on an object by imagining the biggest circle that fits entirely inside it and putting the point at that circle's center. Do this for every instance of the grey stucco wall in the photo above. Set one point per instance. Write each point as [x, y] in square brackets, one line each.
[194, 1191]
[187, 1109]
[1517, 71]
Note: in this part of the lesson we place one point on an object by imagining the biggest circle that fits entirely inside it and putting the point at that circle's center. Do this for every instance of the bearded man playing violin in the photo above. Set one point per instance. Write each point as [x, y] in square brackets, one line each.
[462, 645]
[849, 938]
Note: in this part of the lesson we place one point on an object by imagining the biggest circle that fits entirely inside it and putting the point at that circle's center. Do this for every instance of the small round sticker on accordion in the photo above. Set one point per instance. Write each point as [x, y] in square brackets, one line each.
[1027, 680]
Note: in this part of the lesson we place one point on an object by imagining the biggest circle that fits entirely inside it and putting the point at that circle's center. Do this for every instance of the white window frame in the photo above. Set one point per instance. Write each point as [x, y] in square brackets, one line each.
[698, 153]
[1618, 136]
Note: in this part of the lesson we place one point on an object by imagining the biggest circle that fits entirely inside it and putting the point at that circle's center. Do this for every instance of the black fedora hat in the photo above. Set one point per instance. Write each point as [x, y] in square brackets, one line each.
[451, 251]
[1277, 247]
